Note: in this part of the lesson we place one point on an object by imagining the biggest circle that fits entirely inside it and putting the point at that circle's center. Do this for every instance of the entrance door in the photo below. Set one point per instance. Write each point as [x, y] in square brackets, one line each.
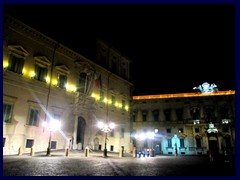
[158, 147]
[213, 144]
[80, 131]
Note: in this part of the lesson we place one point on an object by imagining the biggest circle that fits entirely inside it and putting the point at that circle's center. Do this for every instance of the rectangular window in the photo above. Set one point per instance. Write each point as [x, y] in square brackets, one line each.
[99, 147]
[62, 81]
[101, 95]
[33, 117]
[225, 129]
[133, 118]
[123, 104]
[182, 143]
[15, 64]
[197, 130]
[113, 100]
[168, 130]
[169, 143]
[111, 148]
[29, 143]
[7, 113]
[40, 73]
[144, 116]
[53, 144]
[198, 142]
[122, 133]
[112, 133]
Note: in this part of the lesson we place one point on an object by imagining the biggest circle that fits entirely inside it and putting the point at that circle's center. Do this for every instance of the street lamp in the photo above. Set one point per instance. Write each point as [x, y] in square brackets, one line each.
[53, 125]
[106, 128]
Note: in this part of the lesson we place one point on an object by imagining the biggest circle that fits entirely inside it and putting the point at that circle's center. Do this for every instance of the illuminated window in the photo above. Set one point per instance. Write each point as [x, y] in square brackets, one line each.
[16, 58]
[41, 68]
[15, 64]
[7, 112]
[33, 117]
[82, 83]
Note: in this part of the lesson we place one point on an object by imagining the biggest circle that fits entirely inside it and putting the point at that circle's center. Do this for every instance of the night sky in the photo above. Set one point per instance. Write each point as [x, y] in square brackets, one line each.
[172, 47]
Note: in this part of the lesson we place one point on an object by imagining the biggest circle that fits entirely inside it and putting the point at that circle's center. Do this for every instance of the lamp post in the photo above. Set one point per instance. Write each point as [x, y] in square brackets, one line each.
[53, 125]
[106, 128]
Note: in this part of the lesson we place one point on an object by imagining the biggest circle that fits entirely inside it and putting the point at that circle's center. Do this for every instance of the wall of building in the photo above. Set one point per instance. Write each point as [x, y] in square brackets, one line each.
[189, 134]
[78, 111]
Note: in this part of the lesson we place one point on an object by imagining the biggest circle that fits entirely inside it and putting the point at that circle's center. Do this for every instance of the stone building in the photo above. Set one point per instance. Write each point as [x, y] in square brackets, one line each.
[44, 80]
[186, 123]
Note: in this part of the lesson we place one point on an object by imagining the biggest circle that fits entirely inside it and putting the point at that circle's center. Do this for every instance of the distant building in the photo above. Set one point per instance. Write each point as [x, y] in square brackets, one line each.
[191, 123]
[44, 80]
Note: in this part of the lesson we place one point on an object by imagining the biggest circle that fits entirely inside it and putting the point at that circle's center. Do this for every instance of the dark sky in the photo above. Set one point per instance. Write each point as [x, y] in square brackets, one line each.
[172, 47]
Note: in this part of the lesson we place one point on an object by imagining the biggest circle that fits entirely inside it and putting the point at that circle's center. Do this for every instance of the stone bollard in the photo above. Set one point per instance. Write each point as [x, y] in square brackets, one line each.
[67, 152]
[86, 152]
[20, 151]
[32, 153]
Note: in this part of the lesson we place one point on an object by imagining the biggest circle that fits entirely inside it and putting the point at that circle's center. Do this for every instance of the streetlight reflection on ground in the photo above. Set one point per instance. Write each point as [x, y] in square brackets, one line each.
[53, 125]
[106, 128]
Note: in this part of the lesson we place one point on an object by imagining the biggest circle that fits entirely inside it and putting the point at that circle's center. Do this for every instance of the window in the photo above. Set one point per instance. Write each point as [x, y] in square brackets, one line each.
[179, 113]
[62, 81]
[198, 142]
[155, 114]
[41, 68]
[29, 143]
[195, 112]
[102, 95]
[123, 104]
[113, 99]
[197, 130]
[33, 117]
[180, 130]
[122, 133]
[167, 113]
[53, 144]
[225, 129]
[182, 143]
[112, 133]
[15, 64]
[111, 148]
[144, 115]
[223, 112]
[82, 83]
[169, 143]
[209, 114]
[168, 130]
[133, 118]
[7, 113]
[16, 58]
[40, 73]
[99, 147]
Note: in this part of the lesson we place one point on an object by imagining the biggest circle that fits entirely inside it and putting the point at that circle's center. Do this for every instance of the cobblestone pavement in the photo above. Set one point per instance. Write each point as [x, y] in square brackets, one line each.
[76, 164]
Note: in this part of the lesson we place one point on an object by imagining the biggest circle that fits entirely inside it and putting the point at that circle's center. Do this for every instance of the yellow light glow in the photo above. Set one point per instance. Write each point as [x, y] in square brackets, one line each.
[47, 79]
[24, 71]
[120, 105]
[32, 74]
[109, 101]
[5, 64]
[93, 95]
[183, 95]
[97, 97]
[67, 86]
[116, 103]
[55, 82]
[105, 100]
[74, 89]
[126, 108]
